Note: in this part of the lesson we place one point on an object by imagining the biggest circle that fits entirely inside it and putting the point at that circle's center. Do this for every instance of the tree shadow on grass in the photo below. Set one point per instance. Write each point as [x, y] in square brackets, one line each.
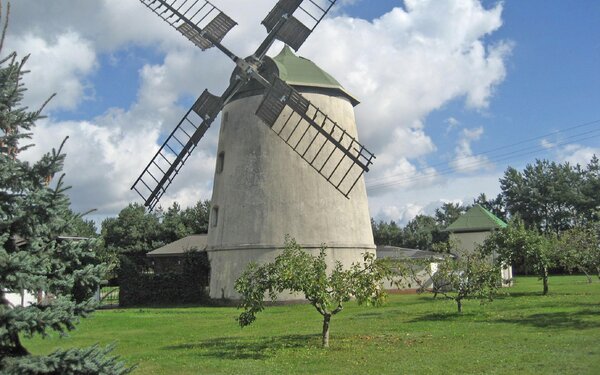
[390, 313]
[582, 319]
[246, 347]
[531, 300]
[443, 316]
[366, 316]
[551, 293]
[557, 320]
[511, 294]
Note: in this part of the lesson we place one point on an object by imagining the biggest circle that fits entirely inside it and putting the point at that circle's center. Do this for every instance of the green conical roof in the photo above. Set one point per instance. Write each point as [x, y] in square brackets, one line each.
[299, 71]
[476, 219]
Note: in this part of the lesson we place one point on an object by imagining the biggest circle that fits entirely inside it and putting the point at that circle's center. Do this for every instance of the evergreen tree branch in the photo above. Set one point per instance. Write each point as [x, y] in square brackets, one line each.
[5, 27]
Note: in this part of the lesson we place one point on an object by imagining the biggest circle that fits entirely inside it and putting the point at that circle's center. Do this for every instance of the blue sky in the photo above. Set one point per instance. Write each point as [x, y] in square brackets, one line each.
[124, 79]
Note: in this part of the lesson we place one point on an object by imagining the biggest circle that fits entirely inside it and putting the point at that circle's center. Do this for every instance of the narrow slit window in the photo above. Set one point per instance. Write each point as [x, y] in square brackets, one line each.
[215, 216]
[220, 161]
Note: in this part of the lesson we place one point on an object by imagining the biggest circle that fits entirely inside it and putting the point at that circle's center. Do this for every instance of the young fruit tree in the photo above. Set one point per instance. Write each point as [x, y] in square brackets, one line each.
[515, 241]
[579, 250]
[297, 271]
[461, 277]
[34, 214]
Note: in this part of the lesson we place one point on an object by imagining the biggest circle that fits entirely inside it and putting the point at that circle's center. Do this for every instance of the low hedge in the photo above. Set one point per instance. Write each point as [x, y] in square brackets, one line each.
[140, 286]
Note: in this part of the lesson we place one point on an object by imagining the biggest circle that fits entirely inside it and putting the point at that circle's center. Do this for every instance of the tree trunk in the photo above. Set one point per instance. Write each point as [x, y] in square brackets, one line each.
[545, 280]
[326, 319]
[459, 305]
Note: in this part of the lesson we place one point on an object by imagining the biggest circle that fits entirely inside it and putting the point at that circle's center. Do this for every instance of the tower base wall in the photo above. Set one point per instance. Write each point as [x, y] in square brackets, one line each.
[227, 265]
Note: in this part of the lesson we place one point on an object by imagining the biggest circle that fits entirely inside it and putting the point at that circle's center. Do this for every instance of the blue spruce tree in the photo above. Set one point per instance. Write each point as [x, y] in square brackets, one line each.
[34, 213]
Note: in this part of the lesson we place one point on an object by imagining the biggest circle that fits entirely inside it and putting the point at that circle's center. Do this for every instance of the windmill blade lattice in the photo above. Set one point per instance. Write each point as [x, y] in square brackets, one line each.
[322, 143]
[199, 21]
[172, 155]
[301, 18]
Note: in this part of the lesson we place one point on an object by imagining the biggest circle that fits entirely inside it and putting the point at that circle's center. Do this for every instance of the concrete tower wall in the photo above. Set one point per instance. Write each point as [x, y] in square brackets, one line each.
[263, 190]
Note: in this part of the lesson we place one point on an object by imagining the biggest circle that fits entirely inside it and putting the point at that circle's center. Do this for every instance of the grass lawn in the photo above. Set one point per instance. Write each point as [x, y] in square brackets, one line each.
[524, 333]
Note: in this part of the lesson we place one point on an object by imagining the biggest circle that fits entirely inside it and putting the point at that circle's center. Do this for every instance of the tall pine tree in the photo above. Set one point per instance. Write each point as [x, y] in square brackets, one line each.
[34, 212]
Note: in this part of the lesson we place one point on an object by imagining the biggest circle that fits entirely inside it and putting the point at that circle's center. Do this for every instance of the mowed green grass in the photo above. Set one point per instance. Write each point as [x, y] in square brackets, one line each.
[524, 333]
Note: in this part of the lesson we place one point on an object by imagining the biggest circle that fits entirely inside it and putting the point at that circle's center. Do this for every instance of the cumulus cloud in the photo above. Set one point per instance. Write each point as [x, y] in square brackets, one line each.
[103, 161]
[404, 175]
[452, 124]
[574, 153]
[408, 63]
[434, 205]
[577, 154]
[465, 161]
[463, 189]
[59, 66]
[402, 66]
[401, 215]
[547, 144]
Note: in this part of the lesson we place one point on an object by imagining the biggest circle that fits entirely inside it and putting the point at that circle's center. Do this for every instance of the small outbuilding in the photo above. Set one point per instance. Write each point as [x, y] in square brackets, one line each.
[472, 228]
[422, 274]
[400, 253]
[169, 258]
[177, 273]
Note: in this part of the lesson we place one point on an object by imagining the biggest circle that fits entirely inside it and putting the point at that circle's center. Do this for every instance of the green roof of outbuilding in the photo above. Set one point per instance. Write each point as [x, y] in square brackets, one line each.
[195, 242]
[299, 71]
[476, 219]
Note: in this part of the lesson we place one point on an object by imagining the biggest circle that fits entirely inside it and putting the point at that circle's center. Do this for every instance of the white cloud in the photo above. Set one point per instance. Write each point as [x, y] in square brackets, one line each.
[408, 63]
[99, 161]
[404, 65]
[463, 189]
[452, 124]
[432, 206]
[103, 161]
[401, 215]
[465, 161]
[60, 66]
[403, 175]
[577, 154]
[547, 144]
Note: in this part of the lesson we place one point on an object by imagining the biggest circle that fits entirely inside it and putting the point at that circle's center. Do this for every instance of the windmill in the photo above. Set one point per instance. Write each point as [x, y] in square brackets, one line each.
[273, 176]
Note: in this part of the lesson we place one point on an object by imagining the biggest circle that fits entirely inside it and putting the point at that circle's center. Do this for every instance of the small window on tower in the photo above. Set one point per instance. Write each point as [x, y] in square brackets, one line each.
[220, 161]
[225, 117]
[215, 216]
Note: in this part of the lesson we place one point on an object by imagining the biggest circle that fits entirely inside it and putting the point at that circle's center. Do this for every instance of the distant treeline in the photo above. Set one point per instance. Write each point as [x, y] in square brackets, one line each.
[549, 197]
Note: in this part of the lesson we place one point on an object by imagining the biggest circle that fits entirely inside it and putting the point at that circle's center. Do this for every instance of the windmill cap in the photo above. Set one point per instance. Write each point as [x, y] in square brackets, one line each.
[299, 71]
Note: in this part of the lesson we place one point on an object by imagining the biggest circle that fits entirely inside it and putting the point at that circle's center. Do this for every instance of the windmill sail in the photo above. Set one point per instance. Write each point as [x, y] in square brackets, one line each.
[172, 155]
[299, 17]
[199, 21]
[322, 143]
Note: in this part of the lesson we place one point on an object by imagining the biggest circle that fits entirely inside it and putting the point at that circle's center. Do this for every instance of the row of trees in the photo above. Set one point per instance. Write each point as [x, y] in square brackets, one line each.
[549, 198]
[576, 249]
[458, 276]
[135, 230]
[553, 197]
[477, 274]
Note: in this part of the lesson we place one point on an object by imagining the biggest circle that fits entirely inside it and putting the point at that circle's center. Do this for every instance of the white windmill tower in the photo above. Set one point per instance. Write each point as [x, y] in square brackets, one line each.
[301, 174]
